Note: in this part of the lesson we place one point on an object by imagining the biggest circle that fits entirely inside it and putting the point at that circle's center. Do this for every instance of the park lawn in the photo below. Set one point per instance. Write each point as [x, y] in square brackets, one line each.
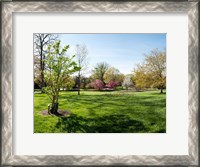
[103, 112]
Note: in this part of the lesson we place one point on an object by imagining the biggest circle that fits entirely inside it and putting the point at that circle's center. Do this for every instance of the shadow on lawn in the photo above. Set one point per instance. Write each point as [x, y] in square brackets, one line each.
[152, 121]
[105, 124]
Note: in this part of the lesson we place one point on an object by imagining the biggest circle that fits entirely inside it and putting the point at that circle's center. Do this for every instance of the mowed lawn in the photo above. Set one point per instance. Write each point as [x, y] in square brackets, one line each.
[103, 112]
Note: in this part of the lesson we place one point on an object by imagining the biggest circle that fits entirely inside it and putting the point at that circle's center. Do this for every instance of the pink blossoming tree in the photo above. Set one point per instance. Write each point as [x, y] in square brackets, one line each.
[97, 84]
[112, 84]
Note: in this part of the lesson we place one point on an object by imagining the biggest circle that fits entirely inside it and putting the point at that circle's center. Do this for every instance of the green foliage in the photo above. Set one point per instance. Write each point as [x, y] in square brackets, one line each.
[59, 67]
[68, 83]
[99, 71]
[101, 112]
[152, 73]
[113, 74]
[142, 78]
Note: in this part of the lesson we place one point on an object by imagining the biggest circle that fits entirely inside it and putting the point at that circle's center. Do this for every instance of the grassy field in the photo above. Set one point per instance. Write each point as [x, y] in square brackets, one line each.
[103, 112]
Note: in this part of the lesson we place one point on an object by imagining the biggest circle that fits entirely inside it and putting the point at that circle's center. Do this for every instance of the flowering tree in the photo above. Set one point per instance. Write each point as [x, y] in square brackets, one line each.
[97, 84]
[127, 82]
[112, 84]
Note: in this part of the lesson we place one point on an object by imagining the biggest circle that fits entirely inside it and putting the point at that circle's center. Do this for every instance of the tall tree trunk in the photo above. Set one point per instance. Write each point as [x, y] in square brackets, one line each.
[42, 67]
[42, 82]
[42, 76]
[79, 82]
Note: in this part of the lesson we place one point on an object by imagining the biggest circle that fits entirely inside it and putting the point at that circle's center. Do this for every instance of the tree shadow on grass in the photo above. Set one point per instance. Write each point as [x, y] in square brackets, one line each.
[103, 124]
[119, 116]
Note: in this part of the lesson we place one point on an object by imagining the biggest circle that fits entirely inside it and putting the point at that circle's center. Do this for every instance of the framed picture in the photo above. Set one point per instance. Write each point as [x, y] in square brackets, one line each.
[100, 83]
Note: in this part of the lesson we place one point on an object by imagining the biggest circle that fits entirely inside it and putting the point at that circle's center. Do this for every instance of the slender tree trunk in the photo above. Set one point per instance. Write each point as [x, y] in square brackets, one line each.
[79, 82]
[42, 81]
[42, 68]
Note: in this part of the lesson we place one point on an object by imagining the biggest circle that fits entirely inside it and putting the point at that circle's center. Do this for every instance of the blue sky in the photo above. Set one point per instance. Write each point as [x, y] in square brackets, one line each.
[122, 51]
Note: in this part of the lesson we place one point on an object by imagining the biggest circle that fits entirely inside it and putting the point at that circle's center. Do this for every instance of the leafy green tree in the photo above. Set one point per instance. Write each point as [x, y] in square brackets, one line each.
[99, 71]
[113, 74]
[142, 79]
[68, 83]
[152, 72]
[84, 82]
[59, 67]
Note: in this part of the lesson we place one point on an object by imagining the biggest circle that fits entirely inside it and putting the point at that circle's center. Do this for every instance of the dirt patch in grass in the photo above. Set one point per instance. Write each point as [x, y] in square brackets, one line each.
[61, 112]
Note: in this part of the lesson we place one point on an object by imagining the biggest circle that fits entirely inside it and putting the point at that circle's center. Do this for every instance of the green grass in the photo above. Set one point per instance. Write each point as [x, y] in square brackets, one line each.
[103, 112]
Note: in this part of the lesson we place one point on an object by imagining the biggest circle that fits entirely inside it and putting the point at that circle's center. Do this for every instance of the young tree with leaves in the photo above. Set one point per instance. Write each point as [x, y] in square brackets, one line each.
[59, 68]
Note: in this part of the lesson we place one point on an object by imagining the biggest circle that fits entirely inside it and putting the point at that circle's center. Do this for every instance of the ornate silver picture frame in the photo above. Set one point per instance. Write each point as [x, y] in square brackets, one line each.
[7, 10]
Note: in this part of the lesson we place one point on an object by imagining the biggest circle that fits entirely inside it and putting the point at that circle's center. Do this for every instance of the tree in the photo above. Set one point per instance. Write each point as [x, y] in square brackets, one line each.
[85, 81]
[68, 82]
[97, 84]
[152, 73]
[59, 68]
[142, 78]
[82, 61]
[41, 42]
[99, 71]
[112, 84]
[127, 82]
[113, 74]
